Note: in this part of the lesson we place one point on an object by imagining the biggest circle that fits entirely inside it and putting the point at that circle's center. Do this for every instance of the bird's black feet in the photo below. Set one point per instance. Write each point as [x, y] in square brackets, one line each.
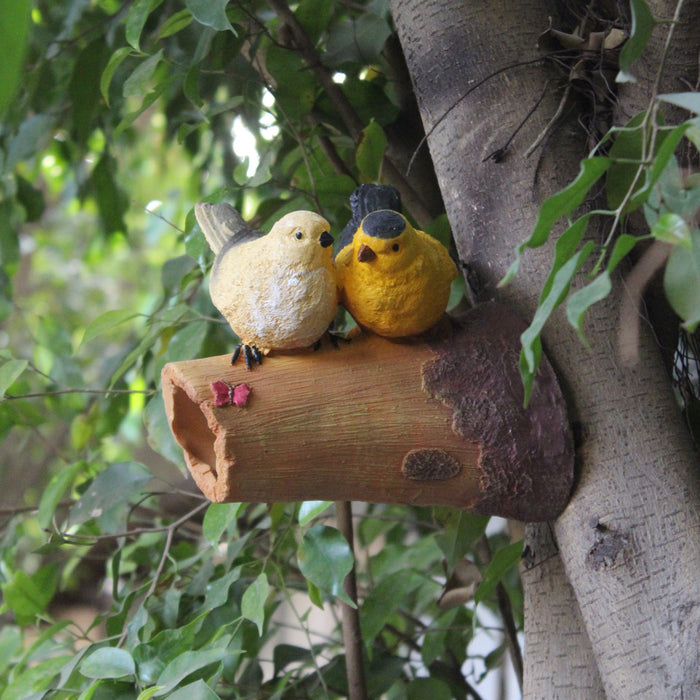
[335, 337]
[251, 353]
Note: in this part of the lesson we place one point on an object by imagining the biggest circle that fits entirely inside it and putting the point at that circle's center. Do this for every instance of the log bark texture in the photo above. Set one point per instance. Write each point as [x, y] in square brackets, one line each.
[630, 538]
[438, 420]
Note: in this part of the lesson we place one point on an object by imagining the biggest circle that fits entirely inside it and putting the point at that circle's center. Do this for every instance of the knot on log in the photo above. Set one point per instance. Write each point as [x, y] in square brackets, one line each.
[430, 464]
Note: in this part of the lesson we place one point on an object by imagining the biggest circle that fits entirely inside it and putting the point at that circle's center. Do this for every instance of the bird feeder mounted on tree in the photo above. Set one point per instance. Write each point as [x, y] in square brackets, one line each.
[437, 420]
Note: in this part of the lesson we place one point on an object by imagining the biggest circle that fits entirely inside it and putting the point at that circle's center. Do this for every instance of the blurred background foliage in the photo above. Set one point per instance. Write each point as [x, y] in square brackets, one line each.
[118, 580]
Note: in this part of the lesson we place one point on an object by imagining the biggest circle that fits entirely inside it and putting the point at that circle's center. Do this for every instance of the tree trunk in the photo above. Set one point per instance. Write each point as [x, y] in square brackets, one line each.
[630, 538]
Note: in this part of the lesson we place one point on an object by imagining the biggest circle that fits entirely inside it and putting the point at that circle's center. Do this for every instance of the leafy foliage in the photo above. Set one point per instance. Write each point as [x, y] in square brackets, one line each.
[124, 116]
[640, 171]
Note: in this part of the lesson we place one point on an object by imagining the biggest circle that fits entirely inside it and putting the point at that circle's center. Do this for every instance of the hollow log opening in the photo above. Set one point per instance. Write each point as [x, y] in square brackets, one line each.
[192, 432]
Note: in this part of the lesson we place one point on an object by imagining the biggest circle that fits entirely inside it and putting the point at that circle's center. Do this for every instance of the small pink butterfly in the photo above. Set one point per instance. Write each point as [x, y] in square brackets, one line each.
[229, 395]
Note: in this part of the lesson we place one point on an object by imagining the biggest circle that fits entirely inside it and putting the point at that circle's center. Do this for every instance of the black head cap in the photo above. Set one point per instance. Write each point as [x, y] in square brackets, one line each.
[384, 224]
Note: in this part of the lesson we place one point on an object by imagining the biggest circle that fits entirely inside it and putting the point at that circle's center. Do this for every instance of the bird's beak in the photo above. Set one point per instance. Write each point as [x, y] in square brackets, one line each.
[365, 253]
[326, 239]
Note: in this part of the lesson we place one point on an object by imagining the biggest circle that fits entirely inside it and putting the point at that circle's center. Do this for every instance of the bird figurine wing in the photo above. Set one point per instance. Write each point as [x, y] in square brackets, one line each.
[364, 200]
[223, 225]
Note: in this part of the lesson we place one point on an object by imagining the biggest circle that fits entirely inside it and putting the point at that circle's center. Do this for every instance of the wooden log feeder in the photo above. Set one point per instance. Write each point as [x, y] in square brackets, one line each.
[437, 420]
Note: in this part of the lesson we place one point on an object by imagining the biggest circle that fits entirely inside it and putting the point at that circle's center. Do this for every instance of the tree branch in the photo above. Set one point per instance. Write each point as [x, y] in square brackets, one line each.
[347, 113]
[78, 539]
[352, 634]
[58, 392]
[506, 610]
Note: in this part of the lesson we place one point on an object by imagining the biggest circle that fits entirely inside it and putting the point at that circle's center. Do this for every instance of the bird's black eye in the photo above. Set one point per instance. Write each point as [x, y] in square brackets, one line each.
[298, 235]
[395, 247]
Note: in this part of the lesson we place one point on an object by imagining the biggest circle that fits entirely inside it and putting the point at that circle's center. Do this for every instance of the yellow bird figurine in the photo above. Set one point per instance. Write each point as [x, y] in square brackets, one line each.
[393, 279]
[277, 291]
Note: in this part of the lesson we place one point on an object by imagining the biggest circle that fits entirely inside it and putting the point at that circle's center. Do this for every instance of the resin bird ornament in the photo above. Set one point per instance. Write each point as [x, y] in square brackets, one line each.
[277, 290]
[393, 279]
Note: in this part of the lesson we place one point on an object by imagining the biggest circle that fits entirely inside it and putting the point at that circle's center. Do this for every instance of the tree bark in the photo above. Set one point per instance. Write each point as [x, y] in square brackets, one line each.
[559, 660]
[630, 538]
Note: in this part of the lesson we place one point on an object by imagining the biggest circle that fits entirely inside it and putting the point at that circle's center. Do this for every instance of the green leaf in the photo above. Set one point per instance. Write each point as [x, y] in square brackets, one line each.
[384, 600]
[114, 62]
[693, 132]
[217, 592]
[682, 282]
[556, 293]
[325, 559]
[433, 688]
[501, 563]
[253, 601]
[10, 372]
[190, 87]
[354, 40]
[174, 271]
[672, 229]
[295, 90]
[111, 201]
[108, 662]
[138, 83]
[32, 199]
[309, 510]
[27, 596]
[285, 654]
[643, 24]
[175, 23]
[152, 656]
[53, 493]
[32, 137]
[458, 532]
[564, 202]
[15, 20]
[560, 204]
[83, 87]
[198, 690]
[10, 644]
[9, 251]
[663, 156]
[106, 322]
[136, 20]
[150, 692]
[626, 152]
[314, 16]
[106, 497]
[217, 520]
[159, 435]
[210, 13]
[185, 344]
[531, 352]
[564, 250]
[315, 595]
[150, 99]
[623, 246]
[583, 299]
[494, 659]
[370, 151]
[686, 100]
[28, 683]
[186, 663]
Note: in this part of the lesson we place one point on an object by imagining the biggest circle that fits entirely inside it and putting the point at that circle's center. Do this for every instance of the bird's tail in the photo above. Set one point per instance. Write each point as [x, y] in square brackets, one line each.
[221, 223]
[364, 200]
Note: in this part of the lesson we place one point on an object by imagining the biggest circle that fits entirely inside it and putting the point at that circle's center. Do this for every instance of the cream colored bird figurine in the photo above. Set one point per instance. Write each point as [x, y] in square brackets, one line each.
[277, 290]
[393, 279]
